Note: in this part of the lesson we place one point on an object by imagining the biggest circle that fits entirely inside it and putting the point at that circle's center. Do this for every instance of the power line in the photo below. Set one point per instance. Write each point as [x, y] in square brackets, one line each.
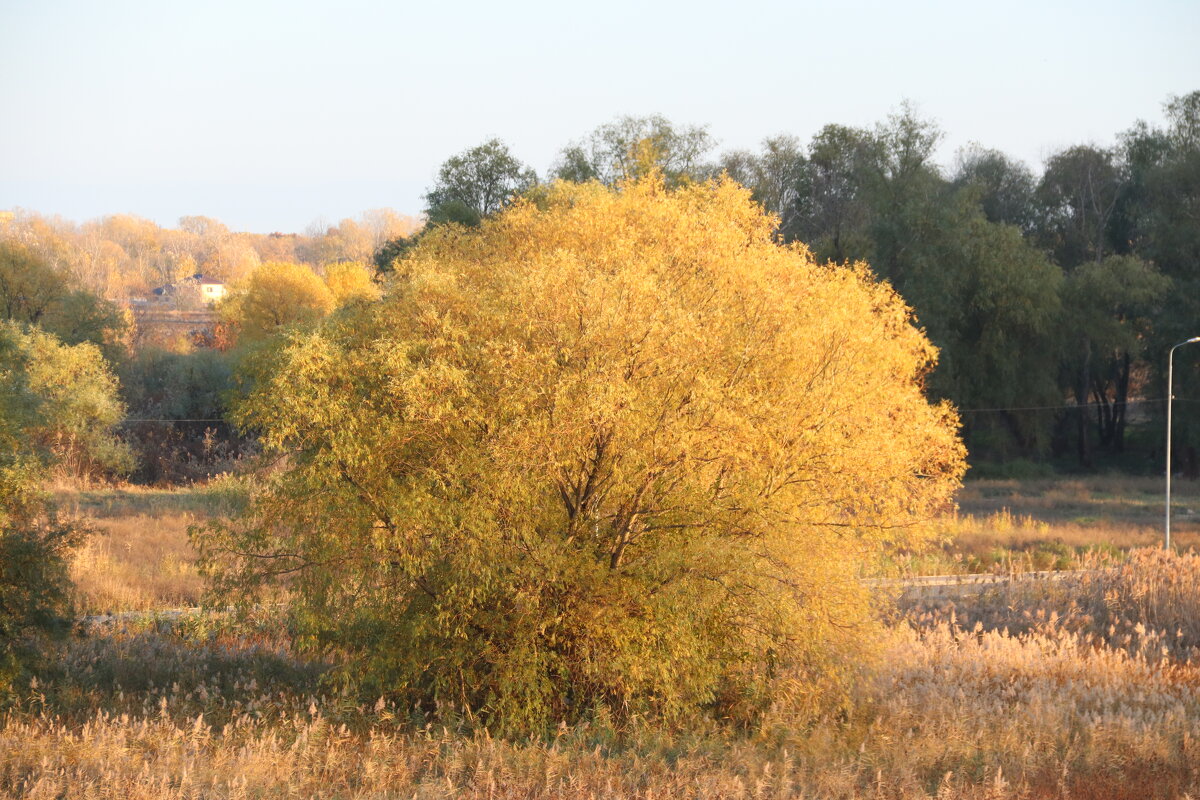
[1077, 405]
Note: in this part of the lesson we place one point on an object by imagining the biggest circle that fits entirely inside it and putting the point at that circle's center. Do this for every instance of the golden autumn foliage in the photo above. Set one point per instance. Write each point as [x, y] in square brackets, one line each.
[276, 294]
[351, 282]
[611, 450]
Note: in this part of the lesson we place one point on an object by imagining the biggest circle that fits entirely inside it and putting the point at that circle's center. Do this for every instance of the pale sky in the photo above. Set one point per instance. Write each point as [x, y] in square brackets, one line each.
[272, 115]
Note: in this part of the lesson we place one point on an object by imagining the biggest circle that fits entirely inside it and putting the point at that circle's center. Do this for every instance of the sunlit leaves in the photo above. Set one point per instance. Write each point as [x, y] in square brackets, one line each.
[614, 448]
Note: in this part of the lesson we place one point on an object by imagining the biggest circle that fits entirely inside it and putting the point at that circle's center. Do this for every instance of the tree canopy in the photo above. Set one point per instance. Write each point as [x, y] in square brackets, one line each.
[477, 182]
[277, 294]
[615, 448]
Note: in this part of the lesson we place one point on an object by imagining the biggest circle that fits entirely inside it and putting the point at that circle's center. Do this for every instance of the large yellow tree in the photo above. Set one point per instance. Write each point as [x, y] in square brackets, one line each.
[613, 448]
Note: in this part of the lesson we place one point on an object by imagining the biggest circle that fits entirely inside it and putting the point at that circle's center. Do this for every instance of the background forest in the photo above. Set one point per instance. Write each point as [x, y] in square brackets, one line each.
[1052, 297]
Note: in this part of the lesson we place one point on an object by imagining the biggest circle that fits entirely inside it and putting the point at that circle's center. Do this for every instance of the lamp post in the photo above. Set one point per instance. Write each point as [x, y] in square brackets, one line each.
[1170, 399]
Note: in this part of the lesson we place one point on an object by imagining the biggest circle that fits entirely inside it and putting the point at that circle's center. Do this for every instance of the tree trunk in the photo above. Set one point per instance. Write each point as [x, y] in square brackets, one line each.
[1081, 416]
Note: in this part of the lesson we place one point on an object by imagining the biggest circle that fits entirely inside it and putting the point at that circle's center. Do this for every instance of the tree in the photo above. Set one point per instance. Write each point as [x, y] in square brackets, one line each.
[34, 543]
[832, 214]
[79, 404]
[385, 257]
[1004, 187]
[480, 180]
[992, 303]
[350, 282]
[1078, 194]
[775, 177]
[29, 286]
[631, 147]
[1108, 307]
[613, 449]
[32, 291]
[274, 295]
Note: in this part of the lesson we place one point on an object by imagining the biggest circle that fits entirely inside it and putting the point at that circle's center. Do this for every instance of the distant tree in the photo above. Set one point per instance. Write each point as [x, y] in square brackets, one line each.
[273, 296]
[993, 305]
[31, 291]
[393, 249]
[454, 212]
[776, 177]
[906, 193]
[29, 287]
[1108, 310]
[479, 181]
[1158, 221]
[350, 282]
[1005, 188]
[1078, 195]
[619, 450]
[632, 147]
[832, 212]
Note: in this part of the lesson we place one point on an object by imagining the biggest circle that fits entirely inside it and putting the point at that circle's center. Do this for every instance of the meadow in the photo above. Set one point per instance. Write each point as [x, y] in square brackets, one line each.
[1083, 688]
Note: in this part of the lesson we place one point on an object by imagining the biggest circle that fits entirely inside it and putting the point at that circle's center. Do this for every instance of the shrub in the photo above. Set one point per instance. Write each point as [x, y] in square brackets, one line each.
[33, 542]
[611, 451]
[78, 403]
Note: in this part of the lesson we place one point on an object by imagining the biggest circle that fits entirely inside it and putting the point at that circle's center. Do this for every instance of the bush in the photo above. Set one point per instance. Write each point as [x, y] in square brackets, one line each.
[614, 452]
[78, 403]
[34, 589]
[33, 543]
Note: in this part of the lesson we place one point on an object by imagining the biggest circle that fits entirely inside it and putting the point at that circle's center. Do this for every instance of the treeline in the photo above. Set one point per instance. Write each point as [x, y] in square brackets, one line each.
[158, 413]
[1052, 297]
[119, 256]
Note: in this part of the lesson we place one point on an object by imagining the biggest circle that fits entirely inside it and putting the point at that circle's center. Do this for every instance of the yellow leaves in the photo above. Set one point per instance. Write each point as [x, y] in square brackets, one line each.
[630, 412]
[273, 295]
[350, 282]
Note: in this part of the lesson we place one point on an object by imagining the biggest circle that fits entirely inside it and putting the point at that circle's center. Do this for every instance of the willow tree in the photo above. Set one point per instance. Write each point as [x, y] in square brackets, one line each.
[614, 448]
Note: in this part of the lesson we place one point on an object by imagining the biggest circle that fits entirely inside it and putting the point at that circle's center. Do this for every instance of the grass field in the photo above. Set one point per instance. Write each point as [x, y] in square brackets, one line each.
[141, 559]
[1091, 692]
[1087, 688]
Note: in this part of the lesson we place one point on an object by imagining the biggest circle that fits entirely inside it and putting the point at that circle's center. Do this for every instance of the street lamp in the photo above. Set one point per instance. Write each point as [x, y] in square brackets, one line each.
[1170, 399]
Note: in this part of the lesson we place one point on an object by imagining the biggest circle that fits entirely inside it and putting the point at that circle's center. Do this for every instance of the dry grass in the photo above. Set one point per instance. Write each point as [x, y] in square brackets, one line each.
[1077, 695]
[140, 558]
[137, 563]
[1051, 524]
[1119, 510]
[1085, 689]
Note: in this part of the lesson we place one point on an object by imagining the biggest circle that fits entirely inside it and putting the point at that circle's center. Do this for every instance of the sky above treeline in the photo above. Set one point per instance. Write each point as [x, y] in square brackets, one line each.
[273, 116]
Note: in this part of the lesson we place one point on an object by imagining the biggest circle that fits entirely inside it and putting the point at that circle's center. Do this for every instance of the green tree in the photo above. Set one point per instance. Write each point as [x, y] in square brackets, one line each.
[29, 287]
[79, 401]
[1078, 194]
[477, 182]
[631, 147]
[1109, 305]
[385, 257]
[992, 304]
[34, 543]
[1158, 219]
[34, 292]
[1005, 188]
[831, 212]
[775, 177]
[615, 448]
